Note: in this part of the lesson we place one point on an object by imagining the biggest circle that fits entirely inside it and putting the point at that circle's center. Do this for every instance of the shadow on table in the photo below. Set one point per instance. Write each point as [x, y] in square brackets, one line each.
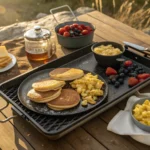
[21, 141]
[31, 138]
[38, 63]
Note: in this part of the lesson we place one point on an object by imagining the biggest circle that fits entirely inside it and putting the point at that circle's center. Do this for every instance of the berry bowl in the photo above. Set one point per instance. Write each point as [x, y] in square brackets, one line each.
[108, 60]
[140, 113]
[75, 34]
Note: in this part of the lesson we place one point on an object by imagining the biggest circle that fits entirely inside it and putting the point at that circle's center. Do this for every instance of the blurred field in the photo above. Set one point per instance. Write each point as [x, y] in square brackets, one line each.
[135, 13]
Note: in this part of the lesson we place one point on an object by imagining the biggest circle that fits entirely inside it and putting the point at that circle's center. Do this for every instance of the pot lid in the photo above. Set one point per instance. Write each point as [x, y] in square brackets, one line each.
[37, 33]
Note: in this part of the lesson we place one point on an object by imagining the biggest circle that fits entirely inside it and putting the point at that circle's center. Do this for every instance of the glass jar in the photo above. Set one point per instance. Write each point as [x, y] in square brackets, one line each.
[38, 45]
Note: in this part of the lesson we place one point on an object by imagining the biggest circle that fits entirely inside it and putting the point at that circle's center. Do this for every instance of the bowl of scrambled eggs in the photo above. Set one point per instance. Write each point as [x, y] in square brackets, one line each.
[140, 114]
[106, 53]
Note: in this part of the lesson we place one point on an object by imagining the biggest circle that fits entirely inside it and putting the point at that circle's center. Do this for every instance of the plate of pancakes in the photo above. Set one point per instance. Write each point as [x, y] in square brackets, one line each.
[50, 92]
[7, 60]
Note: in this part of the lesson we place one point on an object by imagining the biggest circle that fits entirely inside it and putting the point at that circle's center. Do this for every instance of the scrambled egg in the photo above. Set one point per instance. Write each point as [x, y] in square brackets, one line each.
[89, 87]
[142, 112]
[108, 50]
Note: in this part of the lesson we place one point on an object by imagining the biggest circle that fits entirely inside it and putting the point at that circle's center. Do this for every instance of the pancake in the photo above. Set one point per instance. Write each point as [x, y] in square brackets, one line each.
[57, 109]
[47, 85]
[5, 62]
[66, 74]
[68, 98]
[4, 59]
[43, 97]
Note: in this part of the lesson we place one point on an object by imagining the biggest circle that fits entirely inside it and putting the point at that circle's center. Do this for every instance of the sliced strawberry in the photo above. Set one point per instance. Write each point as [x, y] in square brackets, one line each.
[128, 63]
[143, 76]
[132, 81]
[110, 71]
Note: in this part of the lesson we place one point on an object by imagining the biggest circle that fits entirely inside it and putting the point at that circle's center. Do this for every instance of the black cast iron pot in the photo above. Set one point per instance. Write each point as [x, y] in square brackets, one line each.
[75, 42]
[108, 61]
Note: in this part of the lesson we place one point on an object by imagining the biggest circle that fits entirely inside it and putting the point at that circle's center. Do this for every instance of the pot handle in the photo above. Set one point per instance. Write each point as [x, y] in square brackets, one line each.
[53, 9]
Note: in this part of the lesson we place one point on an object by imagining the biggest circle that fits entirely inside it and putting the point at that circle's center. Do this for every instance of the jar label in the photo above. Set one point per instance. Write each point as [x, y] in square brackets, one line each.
[38, 48]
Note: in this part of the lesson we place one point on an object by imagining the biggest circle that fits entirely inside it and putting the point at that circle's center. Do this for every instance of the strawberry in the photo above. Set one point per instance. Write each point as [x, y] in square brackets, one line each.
[85, 32]
[83, 26]
[66, 34]
[61, 31]
[75, 25]
[143, 76]
[141, 80]
[89, 28]
[127, 63]
[67, 27]
[110, 71]
[80, 28]
[132, 81]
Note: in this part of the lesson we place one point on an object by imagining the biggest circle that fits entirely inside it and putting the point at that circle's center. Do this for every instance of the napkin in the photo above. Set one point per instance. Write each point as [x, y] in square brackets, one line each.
[122, 123]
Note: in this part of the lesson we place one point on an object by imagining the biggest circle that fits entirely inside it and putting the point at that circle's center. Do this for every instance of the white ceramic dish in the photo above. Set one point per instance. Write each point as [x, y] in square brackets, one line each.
[13, 62]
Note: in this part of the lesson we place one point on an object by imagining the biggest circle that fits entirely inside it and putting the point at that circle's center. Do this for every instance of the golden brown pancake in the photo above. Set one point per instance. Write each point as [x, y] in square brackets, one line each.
[4, 59]
[54, 108]
[43, 97]
[66, 74]
[47, 85]
[68, 98]
[5, 62]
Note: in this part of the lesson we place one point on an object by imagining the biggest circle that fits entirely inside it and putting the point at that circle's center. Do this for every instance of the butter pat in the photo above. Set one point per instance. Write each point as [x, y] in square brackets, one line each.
[3, 52]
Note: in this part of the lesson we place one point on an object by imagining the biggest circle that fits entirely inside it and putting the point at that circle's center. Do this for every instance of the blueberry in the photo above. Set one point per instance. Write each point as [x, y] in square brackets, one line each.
[121, 70]
[75, 30]
[133, 74]
[109, 81]
[120, 80]
[80, 34]
[140, 68]
[113, 80]
[78, 31]
[116, 84]
[135, 65]
[140, 71]
[121, 75]
[125, 71]
[129, 68]
[130, 74]
[76, 34]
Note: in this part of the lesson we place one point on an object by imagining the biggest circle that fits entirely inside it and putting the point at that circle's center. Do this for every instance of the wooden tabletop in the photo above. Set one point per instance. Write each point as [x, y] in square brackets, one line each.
[18, 134]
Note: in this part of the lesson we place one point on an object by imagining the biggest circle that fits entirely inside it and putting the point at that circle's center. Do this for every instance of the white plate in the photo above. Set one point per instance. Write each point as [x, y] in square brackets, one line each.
[13, 62]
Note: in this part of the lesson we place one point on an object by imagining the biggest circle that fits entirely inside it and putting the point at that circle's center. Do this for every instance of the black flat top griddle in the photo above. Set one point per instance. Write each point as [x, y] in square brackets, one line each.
[55, 127]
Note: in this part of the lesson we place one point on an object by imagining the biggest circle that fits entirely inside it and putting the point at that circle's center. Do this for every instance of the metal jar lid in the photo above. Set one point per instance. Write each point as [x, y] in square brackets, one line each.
[37, 34]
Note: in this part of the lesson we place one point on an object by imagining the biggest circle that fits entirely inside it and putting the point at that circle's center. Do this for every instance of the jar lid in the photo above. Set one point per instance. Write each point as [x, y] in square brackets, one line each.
[37, 33]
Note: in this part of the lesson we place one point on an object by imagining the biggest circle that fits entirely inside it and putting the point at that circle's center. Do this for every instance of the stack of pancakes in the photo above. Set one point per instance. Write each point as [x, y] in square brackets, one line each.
[50, 90]
[5, 59]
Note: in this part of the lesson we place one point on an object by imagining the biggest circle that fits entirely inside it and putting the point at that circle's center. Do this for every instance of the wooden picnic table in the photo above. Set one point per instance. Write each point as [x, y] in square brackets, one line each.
[18, 134]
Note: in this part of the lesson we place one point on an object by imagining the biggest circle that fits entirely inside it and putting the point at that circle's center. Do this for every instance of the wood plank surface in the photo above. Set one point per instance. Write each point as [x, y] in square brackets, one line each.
[109, 32]
[93, 135]
[11, 139]
[125, 29]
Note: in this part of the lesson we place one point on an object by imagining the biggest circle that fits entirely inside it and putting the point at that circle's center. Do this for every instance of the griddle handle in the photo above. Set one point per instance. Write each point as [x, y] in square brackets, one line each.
[51, 11]
[8, 118]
